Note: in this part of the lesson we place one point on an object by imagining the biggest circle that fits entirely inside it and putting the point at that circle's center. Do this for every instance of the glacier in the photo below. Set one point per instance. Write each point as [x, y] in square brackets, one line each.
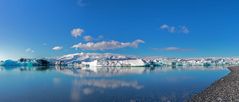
[118, 60]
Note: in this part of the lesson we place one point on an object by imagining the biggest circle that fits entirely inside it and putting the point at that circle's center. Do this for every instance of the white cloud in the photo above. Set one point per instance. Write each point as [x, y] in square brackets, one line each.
[173, 49]
[174, 29]
[56, 48]
[29, 50]
[88, 38]
[168, 28]
[107, 45]
[77, 32]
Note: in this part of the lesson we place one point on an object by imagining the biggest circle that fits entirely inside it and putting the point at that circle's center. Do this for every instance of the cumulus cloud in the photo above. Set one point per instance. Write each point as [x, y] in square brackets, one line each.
[175, 29]
[56, 48]
[172, 49]
[88, 38]
[107, 45]
[29, 50]
[77, 32]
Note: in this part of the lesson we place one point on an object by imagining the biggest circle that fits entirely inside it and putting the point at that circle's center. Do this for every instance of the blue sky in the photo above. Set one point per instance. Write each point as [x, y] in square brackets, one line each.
[173, 28]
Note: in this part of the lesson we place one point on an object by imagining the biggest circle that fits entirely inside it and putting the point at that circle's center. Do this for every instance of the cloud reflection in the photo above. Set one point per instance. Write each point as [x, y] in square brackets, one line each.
[110, 84]
[56, 80]
[100, 71]
[88, 87]
[75, 95]
[120, 71]
[88, 91]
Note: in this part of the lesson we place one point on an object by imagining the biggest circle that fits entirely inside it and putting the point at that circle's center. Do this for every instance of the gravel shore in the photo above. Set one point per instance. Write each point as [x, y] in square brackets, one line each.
[225, 89]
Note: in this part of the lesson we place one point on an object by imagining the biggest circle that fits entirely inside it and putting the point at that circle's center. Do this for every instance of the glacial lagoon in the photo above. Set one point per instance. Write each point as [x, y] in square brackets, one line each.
[123, 84]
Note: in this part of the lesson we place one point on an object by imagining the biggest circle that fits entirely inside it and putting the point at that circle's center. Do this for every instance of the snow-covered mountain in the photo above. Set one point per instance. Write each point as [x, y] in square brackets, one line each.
[99, 59]
[93, 56]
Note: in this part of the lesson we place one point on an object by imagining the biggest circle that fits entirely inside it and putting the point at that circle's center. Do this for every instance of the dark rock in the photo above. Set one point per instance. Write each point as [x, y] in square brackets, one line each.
[42, 62]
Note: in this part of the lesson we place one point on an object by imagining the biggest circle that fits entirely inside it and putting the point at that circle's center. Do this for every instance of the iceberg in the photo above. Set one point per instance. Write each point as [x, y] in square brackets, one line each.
[9, 63]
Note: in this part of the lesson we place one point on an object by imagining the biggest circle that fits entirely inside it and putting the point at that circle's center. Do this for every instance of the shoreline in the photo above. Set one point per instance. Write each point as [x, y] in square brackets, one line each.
[226, 89]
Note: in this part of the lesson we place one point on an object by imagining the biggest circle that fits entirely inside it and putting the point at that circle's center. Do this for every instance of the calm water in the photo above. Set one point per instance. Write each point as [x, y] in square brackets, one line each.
[58, 84]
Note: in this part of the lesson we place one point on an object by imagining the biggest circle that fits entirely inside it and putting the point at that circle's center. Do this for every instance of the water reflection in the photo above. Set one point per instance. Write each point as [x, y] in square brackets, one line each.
[110, 84]
[100, 71]
[105, 71]
[88, 87]
[116, 71]
[94, 84]
[24, 68]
